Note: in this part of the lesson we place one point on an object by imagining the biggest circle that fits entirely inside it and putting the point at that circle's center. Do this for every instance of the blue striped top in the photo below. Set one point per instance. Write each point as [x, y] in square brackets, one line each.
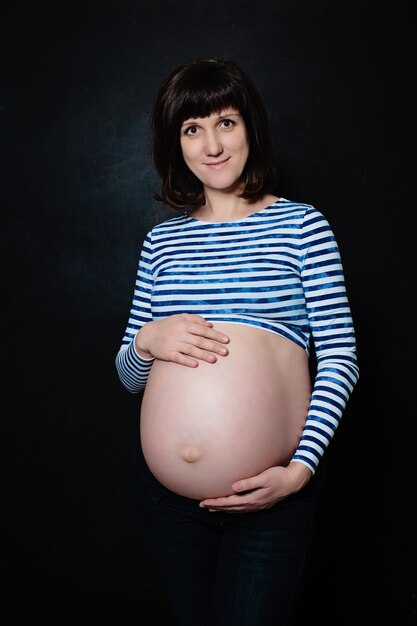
[278, 269]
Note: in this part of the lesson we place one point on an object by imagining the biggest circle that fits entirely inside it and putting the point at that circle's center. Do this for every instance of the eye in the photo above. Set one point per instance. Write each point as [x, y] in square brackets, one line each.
[190, 130]
[227, 123]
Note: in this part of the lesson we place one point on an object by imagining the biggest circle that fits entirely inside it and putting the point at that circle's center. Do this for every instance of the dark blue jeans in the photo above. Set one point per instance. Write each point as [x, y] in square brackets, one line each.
[223, 569]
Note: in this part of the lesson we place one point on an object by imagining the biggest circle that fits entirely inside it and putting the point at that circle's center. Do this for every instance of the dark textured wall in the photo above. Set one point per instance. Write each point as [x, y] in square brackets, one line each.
[77, 192]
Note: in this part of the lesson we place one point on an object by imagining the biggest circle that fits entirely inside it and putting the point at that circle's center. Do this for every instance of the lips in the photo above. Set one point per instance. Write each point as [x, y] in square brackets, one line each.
[218, 164]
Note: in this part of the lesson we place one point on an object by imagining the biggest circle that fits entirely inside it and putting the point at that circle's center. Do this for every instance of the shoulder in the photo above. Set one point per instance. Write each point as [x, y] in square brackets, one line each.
[311, 223]
[169, 232]
[298, 209]
[308, 213]
[169, 224]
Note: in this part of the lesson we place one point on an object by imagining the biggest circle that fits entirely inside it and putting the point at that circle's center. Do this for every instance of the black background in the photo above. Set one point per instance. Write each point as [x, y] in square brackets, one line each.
[78, 83]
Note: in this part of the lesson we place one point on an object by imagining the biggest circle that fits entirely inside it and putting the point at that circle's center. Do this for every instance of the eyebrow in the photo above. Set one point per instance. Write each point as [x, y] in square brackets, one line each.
[219, 117]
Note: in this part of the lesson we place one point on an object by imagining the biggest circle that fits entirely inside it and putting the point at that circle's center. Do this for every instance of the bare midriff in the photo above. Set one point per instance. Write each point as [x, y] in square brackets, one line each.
[204, 428]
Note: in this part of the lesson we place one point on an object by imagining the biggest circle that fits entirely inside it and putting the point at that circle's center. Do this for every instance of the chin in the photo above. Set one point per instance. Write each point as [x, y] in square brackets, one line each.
[226, 184]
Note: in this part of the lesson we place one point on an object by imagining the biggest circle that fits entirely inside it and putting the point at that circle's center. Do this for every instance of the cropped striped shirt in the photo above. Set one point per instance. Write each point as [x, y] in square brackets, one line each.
[278, 269]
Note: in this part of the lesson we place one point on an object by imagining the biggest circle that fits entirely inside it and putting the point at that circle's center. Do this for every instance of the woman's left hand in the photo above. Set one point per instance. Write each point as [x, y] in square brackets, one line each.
[261, 491]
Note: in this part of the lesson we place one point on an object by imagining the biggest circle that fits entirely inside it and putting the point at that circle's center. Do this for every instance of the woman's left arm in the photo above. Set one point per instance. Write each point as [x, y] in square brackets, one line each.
[333, 333]
[331, 324]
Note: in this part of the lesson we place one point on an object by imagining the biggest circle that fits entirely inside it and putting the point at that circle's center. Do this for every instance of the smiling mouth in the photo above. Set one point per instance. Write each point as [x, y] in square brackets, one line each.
[218, 164]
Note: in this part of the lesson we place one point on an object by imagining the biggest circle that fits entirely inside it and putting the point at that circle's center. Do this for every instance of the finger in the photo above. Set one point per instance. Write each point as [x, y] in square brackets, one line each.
[209, 333]
[235, 509]
[183, 359]
[223, 503]
[251, 510]
[242, 507]
[197, 319]
[196, 354]
[259, 506]
[248, 484]
[209, 346]
[203, 354]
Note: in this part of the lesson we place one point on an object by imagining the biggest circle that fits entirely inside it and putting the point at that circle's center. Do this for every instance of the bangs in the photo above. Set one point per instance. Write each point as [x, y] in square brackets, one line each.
[206, 101]
[206, 93]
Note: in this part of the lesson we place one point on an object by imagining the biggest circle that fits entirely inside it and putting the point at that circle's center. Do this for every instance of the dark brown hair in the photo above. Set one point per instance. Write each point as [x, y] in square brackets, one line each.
[198, 89]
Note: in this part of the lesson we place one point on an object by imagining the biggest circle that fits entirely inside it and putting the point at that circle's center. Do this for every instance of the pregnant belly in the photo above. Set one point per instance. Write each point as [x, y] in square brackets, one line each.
[204, 428]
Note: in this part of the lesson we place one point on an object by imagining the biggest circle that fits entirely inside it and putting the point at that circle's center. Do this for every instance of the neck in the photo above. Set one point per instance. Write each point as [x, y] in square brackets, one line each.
[221, 206]
[225, 207]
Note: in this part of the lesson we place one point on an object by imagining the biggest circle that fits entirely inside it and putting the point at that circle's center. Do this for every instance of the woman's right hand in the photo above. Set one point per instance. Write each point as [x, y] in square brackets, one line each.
[183, 338]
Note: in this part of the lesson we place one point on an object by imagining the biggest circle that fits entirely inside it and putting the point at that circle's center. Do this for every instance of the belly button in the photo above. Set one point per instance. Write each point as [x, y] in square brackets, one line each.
[190, 453]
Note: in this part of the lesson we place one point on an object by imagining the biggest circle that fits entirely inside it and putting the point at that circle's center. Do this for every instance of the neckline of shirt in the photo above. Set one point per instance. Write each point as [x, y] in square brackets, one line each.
[242, 219]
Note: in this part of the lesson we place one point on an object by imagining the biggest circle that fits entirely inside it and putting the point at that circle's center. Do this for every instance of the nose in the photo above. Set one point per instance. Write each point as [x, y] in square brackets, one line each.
[213, 145]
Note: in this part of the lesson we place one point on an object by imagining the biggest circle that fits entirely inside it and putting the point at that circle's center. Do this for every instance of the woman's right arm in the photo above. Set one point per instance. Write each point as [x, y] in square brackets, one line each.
[132, 366]
[182, 338]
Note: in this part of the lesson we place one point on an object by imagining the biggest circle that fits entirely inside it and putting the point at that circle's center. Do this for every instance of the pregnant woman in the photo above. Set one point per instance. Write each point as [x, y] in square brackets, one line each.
[229, 295]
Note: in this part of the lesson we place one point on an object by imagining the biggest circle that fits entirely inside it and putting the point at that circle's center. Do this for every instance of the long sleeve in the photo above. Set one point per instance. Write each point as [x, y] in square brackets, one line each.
[133, 370]
[304, 298]
[333, 335]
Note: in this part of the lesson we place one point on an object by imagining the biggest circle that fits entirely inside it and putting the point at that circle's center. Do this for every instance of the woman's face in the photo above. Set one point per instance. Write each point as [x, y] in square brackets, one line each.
[216, 148]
